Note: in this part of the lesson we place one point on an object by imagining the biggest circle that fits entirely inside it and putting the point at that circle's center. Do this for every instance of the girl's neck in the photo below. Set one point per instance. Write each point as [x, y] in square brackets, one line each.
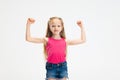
[56, 37]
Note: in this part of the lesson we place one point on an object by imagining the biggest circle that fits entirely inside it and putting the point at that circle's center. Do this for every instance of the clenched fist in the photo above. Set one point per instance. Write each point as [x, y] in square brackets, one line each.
[80, 24]
[30, 21]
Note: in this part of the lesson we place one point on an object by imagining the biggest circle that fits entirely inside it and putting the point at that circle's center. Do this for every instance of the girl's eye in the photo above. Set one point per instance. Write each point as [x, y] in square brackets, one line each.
[53, 25]
[59, 26]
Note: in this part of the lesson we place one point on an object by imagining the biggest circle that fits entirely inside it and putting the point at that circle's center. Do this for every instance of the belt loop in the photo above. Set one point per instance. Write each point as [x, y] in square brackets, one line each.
[58, 64]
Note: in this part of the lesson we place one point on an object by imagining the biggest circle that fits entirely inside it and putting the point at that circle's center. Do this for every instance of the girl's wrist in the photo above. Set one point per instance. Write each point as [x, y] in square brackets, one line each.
[82, 28]
[28, 23]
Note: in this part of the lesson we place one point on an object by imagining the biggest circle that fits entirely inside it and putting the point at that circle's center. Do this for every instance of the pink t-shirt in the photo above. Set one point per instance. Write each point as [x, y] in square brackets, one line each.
[56, 50]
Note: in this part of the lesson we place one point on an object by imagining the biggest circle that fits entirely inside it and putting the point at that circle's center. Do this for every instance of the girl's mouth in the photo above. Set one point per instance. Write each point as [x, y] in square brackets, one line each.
[55, 30]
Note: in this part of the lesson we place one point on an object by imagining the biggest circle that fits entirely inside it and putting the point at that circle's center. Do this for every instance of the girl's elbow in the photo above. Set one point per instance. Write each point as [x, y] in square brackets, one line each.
[27, 39]
[83, 41]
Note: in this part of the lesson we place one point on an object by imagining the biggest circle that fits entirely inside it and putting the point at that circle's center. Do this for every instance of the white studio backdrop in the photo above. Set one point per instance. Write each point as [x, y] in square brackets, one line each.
[97, 59]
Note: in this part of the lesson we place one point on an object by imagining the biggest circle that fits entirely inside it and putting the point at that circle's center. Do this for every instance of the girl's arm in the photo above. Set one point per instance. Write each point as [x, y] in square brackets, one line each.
[82, 38]
[28, 33]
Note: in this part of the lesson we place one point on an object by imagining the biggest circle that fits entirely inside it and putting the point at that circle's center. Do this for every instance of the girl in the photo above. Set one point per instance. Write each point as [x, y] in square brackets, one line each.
[55, 44]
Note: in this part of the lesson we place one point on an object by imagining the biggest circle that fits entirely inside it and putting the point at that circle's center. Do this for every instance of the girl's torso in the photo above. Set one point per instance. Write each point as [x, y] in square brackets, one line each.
[56, 50]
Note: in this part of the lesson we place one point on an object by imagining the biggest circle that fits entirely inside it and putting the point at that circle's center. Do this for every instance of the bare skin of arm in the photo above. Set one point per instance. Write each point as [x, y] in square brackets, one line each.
[28, 33]
[82, 38]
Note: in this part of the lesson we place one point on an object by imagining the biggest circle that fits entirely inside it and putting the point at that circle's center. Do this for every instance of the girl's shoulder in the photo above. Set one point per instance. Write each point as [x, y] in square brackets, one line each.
[46, 39]
[66, 40]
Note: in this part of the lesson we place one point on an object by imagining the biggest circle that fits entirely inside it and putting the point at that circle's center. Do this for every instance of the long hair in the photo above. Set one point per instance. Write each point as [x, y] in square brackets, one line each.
[49, 33]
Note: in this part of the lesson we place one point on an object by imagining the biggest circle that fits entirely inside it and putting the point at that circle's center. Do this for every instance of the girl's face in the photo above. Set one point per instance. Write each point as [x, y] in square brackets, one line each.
[55, 26]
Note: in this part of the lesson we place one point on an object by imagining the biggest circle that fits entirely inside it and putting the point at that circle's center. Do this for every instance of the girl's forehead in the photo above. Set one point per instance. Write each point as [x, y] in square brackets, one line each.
[55, 21]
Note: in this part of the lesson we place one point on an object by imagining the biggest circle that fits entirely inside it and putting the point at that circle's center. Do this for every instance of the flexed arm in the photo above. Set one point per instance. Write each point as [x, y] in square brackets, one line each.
[28, 33]
[82, 38]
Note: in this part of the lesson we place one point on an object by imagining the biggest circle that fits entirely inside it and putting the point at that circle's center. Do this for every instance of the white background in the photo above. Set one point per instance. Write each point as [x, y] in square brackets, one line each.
[97, 59]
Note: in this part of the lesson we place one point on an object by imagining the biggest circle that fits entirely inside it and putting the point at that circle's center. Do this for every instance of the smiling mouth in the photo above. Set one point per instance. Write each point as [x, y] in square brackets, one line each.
[55, 30]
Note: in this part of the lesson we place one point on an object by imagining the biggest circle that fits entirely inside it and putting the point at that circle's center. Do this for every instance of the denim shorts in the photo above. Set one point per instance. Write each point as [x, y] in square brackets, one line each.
[56, 71]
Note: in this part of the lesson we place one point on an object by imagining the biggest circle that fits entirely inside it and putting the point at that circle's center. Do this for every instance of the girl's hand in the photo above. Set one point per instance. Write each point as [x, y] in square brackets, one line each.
[30, 21]
[79, 23]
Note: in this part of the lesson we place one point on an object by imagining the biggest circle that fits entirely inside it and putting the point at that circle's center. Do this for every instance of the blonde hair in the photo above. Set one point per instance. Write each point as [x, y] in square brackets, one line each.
[49, 33]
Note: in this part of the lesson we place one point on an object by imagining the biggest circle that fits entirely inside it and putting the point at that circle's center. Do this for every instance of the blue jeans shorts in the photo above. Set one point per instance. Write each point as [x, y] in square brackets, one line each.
[56, 71]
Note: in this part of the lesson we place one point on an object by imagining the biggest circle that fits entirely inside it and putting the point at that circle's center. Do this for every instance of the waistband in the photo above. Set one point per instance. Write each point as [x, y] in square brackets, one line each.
[58, 64]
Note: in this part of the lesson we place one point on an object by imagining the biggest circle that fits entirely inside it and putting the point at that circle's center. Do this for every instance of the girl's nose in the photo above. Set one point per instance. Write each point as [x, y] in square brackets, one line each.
[56, 27]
